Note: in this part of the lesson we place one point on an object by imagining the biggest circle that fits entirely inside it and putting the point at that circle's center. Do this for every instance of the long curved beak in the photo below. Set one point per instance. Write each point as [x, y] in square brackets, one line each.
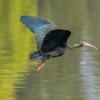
[89, 45]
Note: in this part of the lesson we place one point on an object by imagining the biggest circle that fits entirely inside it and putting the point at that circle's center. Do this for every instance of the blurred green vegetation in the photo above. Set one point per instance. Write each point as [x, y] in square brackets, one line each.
[15, 44]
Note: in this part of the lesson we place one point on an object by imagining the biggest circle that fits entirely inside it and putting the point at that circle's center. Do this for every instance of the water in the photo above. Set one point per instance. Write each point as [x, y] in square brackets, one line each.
[74, 76]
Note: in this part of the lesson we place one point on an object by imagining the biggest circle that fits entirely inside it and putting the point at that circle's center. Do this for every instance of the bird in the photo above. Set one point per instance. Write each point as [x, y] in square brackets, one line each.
[51, 41]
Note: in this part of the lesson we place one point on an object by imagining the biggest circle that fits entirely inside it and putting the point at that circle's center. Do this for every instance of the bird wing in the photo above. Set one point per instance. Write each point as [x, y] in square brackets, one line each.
[54, 39]
[38, 26]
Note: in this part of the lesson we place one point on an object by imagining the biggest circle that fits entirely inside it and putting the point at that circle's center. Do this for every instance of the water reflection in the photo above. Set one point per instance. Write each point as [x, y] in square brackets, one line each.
[87, 74]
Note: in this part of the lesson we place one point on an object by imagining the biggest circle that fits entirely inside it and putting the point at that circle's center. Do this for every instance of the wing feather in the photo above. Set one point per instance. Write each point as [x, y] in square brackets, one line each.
[38, 26]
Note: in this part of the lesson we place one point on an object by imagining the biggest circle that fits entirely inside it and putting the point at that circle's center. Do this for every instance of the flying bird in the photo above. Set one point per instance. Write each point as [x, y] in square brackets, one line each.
[51, 41]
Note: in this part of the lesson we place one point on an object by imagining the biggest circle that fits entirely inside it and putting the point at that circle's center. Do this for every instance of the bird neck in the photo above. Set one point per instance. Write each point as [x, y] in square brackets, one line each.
[78, 45]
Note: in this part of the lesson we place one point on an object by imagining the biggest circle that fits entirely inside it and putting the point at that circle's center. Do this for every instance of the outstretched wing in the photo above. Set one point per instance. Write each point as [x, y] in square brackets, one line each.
[39, 26]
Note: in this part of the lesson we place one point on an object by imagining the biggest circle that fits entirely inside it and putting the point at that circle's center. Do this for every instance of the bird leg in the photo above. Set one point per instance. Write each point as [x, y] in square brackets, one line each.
[42, 64]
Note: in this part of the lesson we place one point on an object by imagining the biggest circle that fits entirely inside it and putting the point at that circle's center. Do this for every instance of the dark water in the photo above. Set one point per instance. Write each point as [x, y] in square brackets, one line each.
[74, 76]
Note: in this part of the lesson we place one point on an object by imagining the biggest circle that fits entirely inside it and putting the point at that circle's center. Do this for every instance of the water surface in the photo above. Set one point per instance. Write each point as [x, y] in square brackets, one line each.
[74, 76]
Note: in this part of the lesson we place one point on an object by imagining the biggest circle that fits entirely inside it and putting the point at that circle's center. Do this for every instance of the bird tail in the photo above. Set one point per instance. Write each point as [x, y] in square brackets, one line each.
[35, 56]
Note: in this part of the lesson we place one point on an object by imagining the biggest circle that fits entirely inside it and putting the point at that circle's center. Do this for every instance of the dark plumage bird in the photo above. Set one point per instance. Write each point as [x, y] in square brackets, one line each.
[51, 41]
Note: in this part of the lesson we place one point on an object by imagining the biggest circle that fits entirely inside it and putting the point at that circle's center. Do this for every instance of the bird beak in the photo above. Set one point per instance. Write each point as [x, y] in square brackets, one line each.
[89, 45]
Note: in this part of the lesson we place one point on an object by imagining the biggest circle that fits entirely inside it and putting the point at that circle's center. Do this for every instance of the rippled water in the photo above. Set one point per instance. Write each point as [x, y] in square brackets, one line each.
[74, 76]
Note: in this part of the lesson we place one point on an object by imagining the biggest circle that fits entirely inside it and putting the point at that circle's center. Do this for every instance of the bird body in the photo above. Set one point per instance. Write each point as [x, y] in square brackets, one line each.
[51, 41]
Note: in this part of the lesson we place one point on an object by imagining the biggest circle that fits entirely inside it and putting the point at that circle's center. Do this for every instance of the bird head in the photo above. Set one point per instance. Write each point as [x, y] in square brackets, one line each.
[83, 44]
